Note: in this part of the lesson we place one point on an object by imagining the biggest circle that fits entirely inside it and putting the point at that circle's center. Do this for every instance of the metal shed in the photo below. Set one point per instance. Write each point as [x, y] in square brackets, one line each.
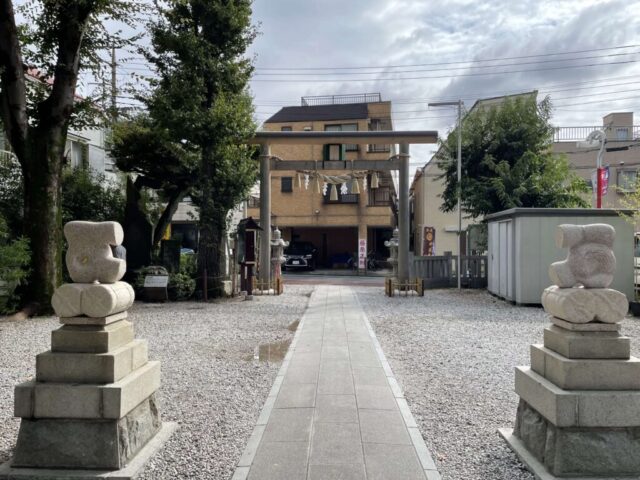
[522, 246]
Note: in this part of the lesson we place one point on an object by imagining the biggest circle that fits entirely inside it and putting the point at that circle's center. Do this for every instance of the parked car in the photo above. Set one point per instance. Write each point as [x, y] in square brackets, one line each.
[300, 255]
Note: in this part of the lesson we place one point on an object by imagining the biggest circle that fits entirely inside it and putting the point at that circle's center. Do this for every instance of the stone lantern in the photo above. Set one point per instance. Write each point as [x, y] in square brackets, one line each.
[277, 253]
[392, 244]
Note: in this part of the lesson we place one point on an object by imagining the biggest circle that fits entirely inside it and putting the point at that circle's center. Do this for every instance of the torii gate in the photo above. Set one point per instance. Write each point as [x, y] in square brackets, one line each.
[397, 162]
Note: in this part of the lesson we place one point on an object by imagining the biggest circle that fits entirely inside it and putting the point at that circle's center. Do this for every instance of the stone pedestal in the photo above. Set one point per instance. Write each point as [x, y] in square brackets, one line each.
[92, 404]
[579, 411]
[91, 410]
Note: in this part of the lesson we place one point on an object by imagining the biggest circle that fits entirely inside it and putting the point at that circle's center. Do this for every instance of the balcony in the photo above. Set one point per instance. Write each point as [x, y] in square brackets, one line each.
[622, 133]
[348, 199]
[379, 197]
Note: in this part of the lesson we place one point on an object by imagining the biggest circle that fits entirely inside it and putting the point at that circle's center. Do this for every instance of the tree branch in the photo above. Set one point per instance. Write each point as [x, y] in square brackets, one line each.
[13, 97]
[167, 214]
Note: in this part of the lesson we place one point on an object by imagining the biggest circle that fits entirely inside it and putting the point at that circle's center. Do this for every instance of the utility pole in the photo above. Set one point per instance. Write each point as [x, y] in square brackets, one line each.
[114, 86]
[597, 138]
[458, 104]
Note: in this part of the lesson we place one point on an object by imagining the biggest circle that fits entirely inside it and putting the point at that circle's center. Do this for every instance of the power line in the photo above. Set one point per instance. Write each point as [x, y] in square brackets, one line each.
[433, 77]
[450, 68]
[453, 63]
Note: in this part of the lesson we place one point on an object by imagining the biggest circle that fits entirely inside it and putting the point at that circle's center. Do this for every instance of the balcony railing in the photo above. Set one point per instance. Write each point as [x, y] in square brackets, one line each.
[623, 133]
[341, 99]
[349, 198]
[380, 197]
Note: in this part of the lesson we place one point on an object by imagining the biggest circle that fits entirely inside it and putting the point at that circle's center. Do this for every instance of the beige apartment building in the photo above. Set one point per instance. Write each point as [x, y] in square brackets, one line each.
[334, 227]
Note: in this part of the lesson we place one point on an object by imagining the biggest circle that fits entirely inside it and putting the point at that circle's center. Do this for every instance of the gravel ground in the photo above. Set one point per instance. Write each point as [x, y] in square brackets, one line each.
[211, 385]
[454, 354]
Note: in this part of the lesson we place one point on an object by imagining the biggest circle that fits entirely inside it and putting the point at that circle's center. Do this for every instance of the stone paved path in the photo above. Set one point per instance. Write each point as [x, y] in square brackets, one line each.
[335, 411]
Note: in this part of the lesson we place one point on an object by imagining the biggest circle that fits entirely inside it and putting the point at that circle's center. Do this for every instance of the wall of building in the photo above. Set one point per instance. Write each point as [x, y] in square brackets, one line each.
[305, 208]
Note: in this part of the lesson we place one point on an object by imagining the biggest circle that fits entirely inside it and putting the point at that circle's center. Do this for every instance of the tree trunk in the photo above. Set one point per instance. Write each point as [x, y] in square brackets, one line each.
[43, 214]
[167, 215]
[138, 230]
[213, 226]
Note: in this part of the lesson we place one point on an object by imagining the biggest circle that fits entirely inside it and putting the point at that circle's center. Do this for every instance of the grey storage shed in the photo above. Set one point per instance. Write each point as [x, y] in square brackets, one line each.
[522, 246]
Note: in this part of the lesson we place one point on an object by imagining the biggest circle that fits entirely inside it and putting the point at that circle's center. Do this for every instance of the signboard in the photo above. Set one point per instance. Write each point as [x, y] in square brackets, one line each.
[156, 281]
[428, 241]
[362, 253]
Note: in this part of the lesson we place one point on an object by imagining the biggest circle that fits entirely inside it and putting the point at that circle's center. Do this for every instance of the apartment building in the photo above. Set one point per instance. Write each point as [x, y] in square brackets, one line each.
[334, 226]
[621, 156]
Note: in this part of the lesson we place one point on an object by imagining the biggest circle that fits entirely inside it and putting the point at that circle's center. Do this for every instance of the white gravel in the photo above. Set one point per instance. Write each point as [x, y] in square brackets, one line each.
[210, 384]
[454, 354]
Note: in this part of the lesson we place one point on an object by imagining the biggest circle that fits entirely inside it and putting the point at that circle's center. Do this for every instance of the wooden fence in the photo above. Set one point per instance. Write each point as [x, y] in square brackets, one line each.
[441, 272]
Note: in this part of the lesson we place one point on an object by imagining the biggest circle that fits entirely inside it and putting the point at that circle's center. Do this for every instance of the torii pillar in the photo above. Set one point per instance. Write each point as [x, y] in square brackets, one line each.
[265, 214]
[403, 215]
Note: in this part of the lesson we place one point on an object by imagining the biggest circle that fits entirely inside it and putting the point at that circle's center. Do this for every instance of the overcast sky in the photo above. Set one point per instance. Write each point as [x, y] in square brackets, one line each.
[325, 34]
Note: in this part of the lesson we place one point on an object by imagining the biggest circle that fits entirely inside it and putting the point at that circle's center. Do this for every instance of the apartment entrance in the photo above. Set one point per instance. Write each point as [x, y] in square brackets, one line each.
[335, 245]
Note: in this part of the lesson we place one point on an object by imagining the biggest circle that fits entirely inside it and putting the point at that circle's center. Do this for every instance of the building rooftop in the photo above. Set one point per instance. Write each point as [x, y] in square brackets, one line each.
[352, 111]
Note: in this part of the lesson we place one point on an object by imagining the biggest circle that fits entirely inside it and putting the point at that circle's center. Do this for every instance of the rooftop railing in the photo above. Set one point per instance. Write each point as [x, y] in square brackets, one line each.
[341, 99]
[623, 133]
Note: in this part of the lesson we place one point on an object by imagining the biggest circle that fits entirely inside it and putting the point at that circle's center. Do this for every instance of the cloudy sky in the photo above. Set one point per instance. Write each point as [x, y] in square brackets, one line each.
[417, 51]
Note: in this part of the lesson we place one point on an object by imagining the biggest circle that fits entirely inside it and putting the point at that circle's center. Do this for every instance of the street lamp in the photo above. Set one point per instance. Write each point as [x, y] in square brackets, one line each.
[595, 139]
[459, 104]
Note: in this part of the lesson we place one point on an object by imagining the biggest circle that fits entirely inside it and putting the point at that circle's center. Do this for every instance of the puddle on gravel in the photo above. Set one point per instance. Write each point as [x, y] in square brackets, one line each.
[293, 326]
[270, 352]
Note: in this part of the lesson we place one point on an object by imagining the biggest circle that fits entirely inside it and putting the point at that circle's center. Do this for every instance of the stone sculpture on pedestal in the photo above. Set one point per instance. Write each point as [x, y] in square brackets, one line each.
[92, 404]
[579, 411]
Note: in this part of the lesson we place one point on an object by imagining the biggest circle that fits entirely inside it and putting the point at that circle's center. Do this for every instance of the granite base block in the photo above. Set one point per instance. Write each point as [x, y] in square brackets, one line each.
[86, 444]
[578, 452]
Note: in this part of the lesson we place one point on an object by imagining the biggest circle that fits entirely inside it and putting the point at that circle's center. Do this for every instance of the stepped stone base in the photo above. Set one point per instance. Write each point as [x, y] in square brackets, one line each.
[130, 472]
[578, 452]
[86, 444]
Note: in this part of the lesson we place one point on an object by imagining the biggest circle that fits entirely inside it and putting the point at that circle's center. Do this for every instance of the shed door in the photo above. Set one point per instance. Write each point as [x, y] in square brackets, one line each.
[504, 256]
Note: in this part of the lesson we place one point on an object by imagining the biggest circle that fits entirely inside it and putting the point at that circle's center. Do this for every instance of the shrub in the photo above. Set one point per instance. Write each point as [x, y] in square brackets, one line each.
[181, 286]
[14, 263]
[188, 265]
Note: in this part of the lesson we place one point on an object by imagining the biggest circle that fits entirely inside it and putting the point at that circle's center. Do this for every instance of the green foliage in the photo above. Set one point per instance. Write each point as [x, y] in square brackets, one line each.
[630, 200]
[11, 194]
[42, 37]
[188, 265]
[86, 195]
[181, 287]
[15, 257]
[507, 162]
[89, 196]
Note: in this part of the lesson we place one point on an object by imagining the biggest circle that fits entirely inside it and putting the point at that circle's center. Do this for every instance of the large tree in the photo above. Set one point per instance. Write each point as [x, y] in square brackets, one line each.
[201, 98]
[57, 40]
[141, 146]
[507, 161]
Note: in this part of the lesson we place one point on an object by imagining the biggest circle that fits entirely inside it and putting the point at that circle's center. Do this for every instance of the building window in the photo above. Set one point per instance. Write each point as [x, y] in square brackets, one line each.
[253, 202]
[627, 180]
[380, 197]
[333, 153]
[345, 127]
[286, 184]
[622, 134]
[379, 125]
[286, 129]
[77, 154]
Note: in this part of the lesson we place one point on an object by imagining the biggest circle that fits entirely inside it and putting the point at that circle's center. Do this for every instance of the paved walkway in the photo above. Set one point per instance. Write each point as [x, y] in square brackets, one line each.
[335, 410]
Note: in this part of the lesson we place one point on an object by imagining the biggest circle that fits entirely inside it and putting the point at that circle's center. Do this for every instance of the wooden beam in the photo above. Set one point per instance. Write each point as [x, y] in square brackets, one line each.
[381, 165]
[358, 138]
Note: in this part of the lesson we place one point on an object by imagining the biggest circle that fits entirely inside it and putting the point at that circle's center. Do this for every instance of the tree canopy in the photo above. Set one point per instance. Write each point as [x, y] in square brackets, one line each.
[507, 161]
[200, 96]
